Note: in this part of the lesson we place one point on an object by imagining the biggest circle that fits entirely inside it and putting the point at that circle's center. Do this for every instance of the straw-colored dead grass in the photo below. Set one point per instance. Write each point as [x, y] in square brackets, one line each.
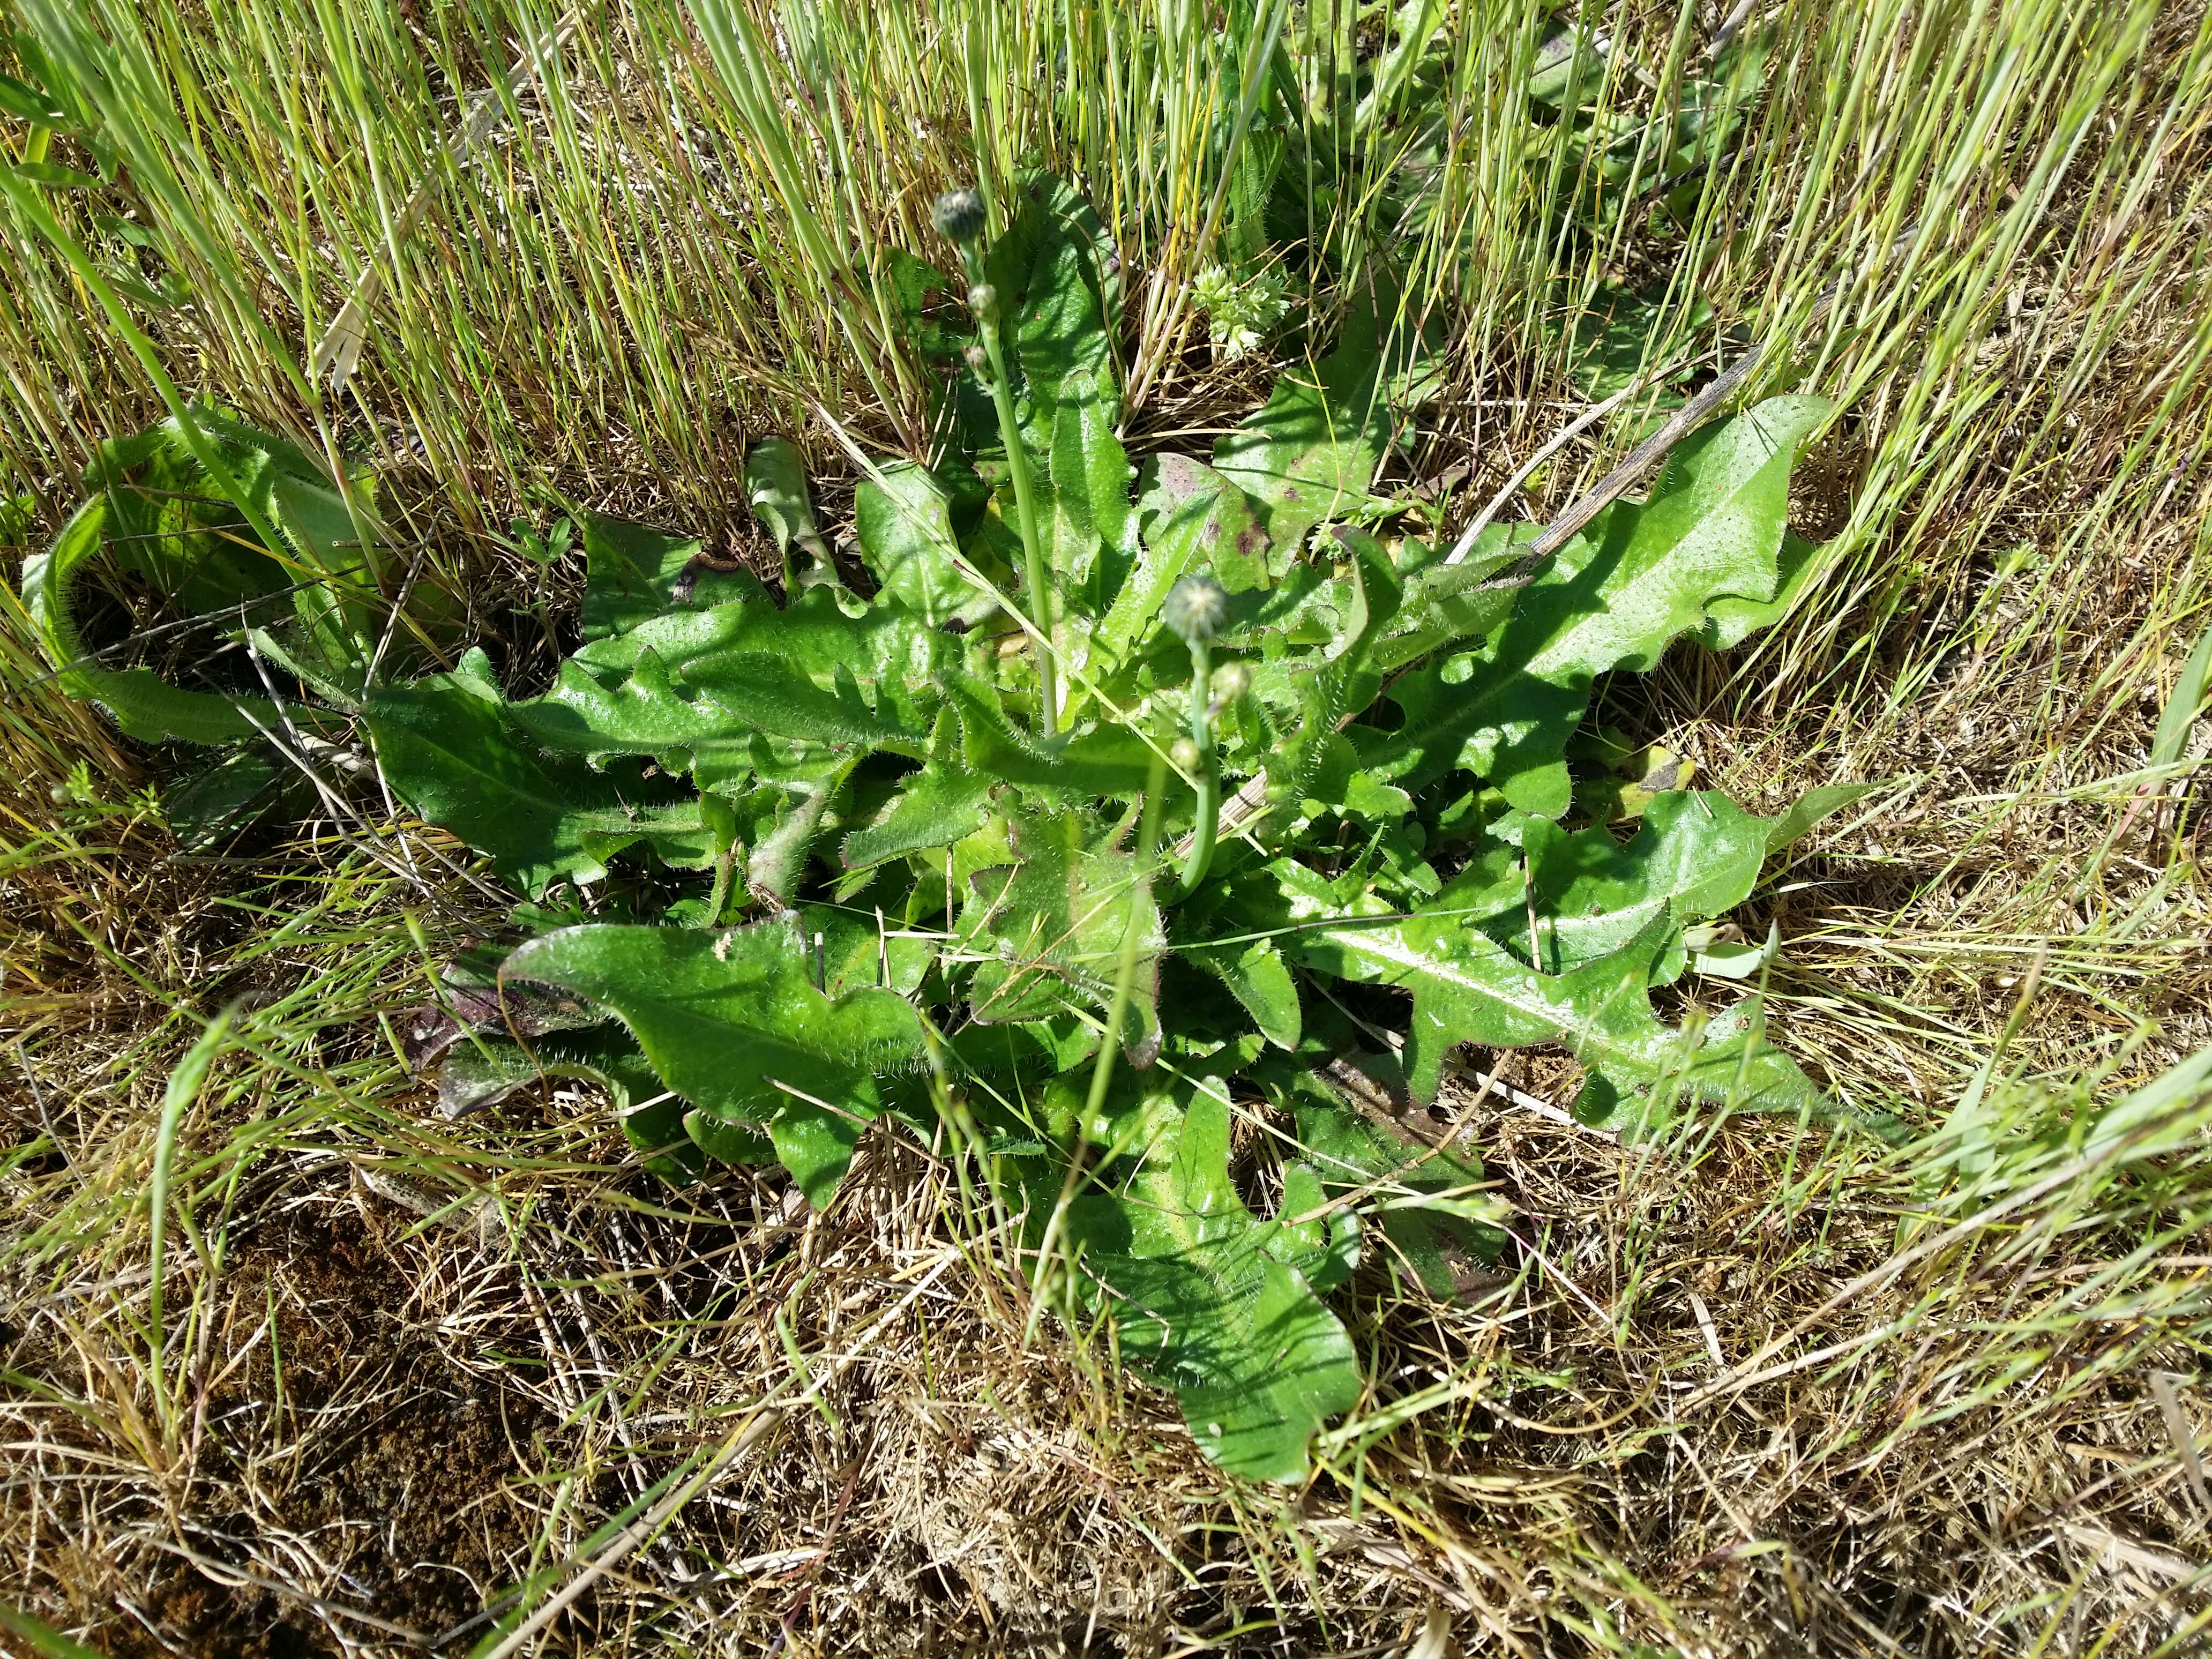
[401, 1419]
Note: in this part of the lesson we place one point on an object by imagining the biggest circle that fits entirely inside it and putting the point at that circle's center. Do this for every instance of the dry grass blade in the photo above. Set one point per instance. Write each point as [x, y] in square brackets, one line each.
[338, 351]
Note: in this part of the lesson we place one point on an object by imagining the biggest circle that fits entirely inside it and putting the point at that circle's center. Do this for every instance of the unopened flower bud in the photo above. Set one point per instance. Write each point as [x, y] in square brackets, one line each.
[1184, 753]
[958, 214]
[983, 300]
[978, 359]
[1231, 681]
[1195, 609]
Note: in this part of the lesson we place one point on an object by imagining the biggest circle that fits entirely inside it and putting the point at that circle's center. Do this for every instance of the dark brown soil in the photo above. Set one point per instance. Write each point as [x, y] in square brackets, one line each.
[405, 1488]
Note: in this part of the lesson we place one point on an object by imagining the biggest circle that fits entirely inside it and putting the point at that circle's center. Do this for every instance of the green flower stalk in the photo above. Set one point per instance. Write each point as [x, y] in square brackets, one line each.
[1195, 610]
[960, 218]
[1109, 1042]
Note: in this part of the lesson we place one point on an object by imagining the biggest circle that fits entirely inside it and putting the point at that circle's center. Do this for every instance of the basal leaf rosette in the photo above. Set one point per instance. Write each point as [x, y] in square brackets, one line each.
[1104, 805]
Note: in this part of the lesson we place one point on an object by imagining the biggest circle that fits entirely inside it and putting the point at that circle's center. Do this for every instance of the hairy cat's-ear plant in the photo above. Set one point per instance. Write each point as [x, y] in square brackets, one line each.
[1086, 1027]
[960, 217]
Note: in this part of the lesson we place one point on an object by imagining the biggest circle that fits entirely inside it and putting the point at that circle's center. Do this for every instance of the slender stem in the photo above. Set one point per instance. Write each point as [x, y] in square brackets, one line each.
[725, 866]
[1043, 611]
[1125, 976]
[1117, 1012]
[1207, 825]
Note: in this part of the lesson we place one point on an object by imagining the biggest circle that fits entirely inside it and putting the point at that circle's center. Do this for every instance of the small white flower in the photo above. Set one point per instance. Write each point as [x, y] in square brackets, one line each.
[1238, 313]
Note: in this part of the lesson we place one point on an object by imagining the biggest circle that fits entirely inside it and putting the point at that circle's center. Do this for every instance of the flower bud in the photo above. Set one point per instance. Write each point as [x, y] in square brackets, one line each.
[1185, 755]
[977, 358]
[958, 214]
[1195, 609]
[1231, 681]
[983, 300]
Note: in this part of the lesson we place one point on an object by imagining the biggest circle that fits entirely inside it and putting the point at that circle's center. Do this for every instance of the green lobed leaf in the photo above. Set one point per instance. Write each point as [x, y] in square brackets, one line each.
[1320, 1240]
[1087, 488]
[153, 510]
[728, 1015]
[1447, 602]
[1259, 978]
[214, 803]
[1200, 1288]
[855, 951]
[905, 525]
[1730, 619]
[692, 689]
[1610, 599]
[1696, 854]
[937, 806]
[1081, 764]
[1310, 454]
[1057, 920]
[1465, 987]
[918, 290]
[1318, 762]
[628, 701]
[451, 752]
[633, 574]
[1811, 808]
[167, 526]
[1057, 277]
[1193, 520]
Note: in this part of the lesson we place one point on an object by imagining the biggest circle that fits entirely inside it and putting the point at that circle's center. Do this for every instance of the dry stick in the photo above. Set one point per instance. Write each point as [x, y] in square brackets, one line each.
[1727, 32]
[1679, 426]
[1609, 488]
[338, 351]
[1526, 470]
